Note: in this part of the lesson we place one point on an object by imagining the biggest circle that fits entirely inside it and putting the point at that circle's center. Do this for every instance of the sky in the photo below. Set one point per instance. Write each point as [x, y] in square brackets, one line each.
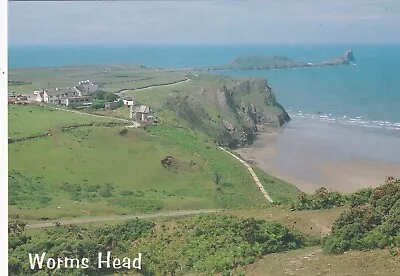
[205, 22]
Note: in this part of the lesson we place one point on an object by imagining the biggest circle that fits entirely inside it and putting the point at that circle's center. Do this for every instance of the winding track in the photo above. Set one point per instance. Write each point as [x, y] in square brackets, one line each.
[116, 218]
[155, 215]
[253, 175]
[153, 86]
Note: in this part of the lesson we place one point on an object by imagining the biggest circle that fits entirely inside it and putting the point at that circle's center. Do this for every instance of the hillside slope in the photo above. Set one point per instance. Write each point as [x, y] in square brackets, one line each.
[230, 111]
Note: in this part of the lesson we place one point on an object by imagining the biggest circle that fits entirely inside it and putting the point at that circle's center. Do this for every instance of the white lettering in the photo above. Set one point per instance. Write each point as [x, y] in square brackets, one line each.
[69, 263]
[85, 262]
[117, 263]
[36, 260]
[138, 260]
[126, 263]
[100, 262]
[51, 263]
[59, 262]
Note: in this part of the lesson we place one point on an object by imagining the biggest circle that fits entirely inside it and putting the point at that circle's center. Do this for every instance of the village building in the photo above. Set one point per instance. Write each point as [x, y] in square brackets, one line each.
[111, 105]
[11, 97]
[83, 100]
[128, 101]
[58, 96]
[141, 113]
[54, 96]
[86, 88]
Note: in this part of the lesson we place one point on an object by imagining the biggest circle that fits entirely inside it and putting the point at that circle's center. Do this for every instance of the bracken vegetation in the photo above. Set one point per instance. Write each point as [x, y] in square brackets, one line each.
[71, 242]
[213, 244]
[373, 221]
[205, 244]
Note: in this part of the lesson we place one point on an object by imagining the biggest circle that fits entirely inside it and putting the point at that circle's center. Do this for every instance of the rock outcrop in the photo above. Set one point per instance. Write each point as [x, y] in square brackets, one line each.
[349, 55]
[233, 112]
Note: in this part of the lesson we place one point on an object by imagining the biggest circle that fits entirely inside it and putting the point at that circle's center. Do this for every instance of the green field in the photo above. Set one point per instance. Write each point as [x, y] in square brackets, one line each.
[28, 120]
[95, 171]
[111, 77]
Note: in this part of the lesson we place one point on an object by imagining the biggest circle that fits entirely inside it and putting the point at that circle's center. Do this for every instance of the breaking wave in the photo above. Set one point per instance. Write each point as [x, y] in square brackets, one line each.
[347, 120]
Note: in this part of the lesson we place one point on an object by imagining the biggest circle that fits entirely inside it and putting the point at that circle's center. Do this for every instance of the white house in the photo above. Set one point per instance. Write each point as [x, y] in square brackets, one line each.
[141, 113]
[128, 101]
[59, 95]
[56, 96]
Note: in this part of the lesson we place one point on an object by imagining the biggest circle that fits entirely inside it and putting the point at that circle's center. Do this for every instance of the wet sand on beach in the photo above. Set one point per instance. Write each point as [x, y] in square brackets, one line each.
[311, 155]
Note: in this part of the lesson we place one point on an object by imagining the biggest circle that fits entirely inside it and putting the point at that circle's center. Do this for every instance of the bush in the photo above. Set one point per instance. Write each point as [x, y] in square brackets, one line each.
[97, 104]
[74, 242]
[368, 224]
[322, 199]
[215, 244]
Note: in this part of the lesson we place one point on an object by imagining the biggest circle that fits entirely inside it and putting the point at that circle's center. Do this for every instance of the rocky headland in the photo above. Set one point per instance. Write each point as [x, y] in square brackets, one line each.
[264, 62]
[231, 113]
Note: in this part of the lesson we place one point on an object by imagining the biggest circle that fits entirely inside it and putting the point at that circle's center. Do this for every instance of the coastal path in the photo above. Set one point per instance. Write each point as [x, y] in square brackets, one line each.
[253, 175]
[126, 217]
[152, 86]
[133, 124]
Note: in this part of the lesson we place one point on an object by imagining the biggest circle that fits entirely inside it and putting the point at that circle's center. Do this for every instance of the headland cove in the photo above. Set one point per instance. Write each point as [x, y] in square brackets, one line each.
[93, 168]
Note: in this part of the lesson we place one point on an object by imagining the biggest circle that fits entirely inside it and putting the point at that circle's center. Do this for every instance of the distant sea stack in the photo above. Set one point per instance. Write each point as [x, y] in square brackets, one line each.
[349, 55]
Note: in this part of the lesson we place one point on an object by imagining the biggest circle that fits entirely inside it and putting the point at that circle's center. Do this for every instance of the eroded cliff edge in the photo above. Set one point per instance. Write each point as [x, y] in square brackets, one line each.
[232, 112]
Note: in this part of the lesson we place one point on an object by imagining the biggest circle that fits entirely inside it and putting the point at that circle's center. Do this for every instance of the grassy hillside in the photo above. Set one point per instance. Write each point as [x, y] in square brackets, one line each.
[228, 110]
[96, 171]
[28, 120]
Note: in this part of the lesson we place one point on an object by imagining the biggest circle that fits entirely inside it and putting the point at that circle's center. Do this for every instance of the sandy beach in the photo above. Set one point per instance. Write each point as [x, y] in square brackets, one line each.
[313, 154]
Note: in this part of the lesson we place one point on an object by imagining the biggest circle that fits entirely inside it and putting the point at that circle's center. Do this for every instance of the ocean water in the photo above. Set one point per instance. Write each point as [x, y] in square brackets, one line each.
[365, 94]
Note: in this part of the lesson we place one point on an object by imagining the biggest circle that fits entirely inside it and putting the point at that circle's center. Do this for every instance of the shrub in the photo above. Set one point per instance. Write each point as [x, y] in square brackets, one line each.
[322, 199]
[368, 224]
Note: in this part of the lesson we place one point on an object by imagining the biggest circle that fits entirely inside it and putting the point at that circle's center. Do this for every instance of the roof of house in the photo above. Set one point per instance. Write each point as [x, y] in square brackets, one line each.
[60, 91]
[141, 109]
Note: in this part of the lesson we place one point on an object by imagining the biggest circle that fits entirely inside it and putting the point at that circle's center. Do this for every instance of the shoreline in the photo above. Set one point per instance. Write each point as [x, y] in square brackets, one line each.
[300, 157]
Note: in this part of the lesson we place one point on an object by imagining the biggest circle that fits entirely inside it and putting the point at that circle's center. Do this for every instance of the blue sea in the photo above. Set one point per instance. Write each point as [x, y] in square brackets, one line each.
[366, 93]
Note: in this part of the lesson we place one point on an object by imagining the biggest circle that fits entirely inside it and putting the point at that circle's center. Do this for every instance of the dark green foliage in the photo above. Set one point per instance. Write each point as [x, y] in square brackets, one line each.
[322, 199]
[82, 192]
[74, 242]
[360, 197]
[212, 244]
[97, 104]
[368, 225]
[217, 178]
[103, 95]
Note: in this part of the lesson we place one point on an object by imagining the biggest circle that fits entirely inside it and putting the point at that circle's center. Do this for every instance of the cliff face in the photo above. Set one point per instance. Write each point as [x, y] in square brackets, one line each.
[231, 113]
[349, 55]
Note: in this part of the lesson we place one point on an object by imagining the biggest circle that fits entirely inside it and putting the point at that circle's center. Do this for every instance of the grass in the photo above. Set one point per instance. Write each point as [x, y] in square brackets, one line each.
[28, 120]
[312, 222]
[94, 171]
[279, 190]
[311, 262]
[112, 77]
